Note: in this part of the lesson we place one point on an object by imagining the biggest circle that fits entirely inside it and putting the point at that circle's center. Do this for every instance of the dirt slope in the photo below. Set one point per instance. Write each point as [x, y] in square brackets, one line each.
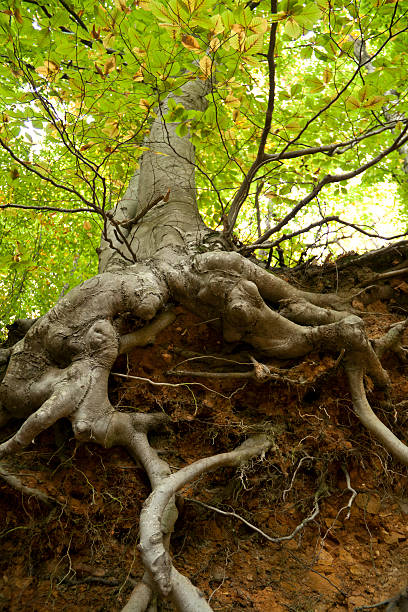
[81, 552]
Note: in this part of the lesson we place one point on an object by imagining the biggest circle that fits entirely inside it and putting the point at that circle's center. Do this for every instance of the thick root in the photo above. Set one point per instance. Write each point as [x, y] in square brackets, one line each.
[355, 375]
[154, 554]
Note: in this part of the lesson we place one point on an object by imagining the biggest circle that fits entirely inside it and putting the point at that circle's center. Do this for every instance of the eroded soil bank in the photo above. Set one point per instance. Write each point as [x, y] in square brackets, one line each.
[81, 552]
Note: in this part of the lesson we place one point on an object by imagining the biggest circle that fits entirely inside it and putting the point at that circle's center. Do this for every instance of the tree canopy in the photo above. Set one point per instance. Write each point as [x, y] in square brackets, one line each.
[304, 97]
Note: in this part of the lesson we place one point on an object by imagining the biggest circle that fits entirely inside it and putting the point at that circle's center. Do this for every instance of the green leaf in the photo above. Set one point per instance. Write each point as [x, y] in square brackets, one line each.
[352, 103]
[315, 84]
[309, 16]
[292, 28]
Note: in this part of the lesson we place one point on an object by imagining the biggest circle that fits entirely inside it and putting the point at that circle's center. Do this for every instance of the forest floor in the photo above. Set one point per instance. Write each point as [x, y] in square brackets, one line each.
[80, 554]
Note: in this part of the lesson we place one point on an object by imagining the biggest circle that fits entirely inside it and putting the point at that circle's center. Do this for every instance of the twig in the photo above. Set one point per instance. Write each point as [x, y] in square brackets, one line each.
[329, 179]
[74, 16]
[48, 208]
[130, 222]
[377, 605]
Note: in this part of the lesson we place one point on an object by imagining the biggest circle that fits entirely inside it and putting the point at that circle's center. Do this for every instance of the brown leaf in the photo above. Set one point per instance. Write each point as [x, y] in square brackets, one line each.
[110, 65]
[189, 42]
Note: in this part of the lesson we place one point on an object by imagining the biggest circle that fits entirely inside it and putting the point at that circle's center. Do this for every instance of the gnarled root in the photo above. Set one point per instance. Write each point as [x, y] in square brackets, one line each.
[154, 554]
[392, 341]
[355, 375]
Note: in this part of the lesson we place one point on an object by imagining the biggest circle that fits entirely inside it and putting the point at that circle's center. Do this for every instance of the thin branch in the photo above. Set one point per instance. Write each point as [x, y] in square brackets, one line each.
[271, 92]
[258, 212]
[334, 178]
[130, 222]
[346, 86]
[30, 168]
[74, 16]
[48, 208]
[326, 220]
[243, 191]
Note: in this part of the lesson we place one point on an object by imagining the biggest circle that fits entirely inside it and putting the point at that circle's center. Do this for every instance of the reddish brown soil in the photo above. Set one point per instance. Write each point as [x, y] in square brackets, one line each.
[81, 554]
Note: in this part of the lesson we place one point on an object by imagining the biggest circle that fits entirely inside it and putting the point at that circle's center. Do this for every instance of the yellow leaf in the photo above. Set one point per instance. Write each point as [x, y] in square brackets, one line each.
[191, 5]
[374, 102]
[231, 100]
[121, 6]
[237, 27]
[237, 41]
[259, 25]
[138, 76]
[327, 75]
[111, 128]
[206, 65]
[109, 40]
[352, 103]
[48, 69]
[217, 25]
[139, 51]
[189, 42]
[110, 65]
[215, 44]
[144, 104]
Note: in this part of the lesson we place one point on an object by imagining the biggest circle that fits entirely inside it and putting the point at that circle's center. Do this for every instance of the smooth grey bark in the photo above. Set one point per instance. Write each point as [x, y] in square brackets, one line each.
[61, 367]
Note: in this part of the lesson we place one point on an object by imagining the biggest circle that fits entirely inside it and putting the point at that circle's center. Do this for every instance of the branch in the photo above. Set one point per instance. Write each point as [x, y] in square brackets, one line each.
[347, 85]
[326, 220]
[243, 191]
[74, 16]
[30, 168]
[130, 222]
[271, 93]
[48, 208]
[334, 178]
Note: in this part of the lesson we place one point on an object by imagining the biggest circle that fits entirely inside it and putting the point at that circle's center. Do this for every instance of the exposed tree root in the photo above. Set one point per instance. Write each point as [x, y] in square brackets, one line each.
[61, 369]
[154, 554]
[355, 375]
[15, 483]
[392, 340]
[146, 335]
[277, 540]
[140, 598]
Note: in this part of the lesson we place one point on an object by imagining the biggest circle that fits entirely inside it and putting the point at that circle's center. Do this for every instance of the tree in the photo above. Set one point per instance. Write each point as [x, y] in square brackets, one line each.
[214, 106]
